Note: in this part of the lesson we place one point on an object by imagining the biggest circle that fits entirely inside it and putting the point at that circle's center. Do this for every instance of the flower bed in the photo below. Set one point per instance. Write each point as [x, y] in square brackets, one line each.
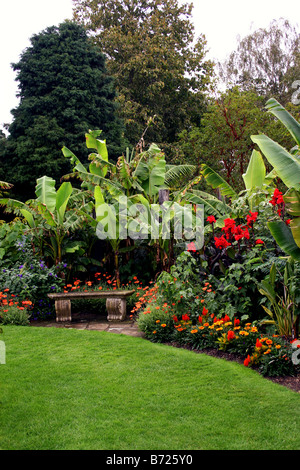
[270, 354]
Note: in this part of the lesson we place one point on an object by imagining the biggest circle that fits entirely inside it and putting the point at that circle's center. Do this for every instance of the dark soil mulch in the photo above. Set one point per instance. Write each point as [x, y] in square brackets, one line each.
[291, 382]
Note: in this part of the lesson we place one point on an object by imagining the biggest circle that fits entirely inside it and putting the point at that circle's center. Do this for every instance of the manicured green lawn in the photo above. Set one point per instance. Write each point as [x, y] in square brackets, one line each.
[73, 389]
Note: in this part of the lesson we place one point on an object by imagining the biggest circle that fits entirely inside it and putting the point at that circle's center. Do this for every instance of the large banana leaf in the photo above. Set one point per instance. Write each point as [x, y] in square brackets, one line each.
[93, 143]
[4, 185]
[151, 175]
[216, 181]
[62, 197]
[175, 173]
[292, 202]
[212, 205]
[78, 166]
[286, 165]
[46, 193]
[256, 172]
[285, 117]
[284, 237]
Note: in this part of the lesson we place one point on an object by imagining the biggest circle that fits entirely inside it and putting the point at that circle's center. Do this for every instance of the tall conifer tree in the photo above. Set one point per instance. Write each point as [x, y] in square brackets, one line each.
[64, 91]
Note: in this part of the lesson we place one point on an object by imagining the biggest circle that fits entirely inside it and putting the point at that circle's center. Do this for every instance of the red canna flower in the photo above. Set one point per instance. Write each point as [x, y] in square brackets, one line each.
[211, 219]
[191, 247]
[221, 242]
[251, 218]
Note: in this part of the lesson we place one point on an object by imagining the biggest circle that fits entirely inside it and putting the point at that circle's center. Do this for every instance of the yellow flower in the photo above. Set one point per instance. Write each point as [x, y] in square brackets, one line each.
[277, 346]
[219, 329]
[201, 327]
[267, 351]
[269, 341]
[154, 332]
[194, 331]
[206, 324]
[163, 325]
[157, 321]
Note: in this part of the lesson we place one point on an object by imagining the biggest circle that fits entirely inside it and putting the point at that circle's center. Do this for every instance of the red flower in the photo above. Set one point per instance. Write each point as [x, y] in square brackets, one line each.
[236, 322]
[276, 198]
[211, 219]
[191, 247]
[230, 335]
[247, 361]
[229, 227]
[204, 311]
[226, 318]
[175, 319]
[288, 221]
[251, 218]
[221, 242]
[185, 317]
[239, 233]
[259, 242]
[258, 343]
[200, 319]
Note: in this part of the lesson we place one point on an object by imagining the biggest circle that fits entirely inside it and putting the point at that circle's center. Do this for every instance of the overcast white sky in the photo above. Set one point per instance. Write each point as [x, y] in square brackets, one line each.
[221, 21]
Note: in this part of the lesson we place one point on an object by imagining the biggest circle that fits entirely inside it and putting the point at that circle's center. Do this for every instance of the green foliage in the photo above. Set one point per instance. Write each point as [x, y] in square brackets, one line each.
[266, 61]
[64, 89]
[284, 298]
[157, 325]
[287, 167]
[10, 234]
[158, 65]
[223, 142]
[179, 288]
[12, 315]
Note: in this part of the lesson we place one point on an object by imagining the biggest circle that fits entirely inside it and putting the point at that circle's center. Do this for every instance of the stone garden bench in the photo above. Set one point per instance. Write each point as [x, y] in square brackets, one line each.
[115, 303]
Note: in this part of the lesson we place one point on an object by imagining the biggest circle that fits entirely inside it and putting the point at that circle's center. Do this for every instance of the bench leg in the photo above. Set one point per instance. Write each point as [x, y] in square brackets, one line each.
[63, 310]
[116, 309]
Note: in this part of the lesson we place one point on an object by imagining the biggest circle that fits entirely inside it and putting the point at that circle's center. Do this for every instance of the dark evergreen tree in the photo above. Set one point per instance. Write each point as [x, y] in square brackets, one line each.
[64, 91]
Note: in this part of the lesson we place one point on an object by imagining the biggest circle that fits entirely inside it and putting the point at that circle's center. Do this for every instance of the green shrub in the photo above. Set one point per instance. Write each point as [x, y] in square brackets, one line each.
[14, 316]
[157, 324]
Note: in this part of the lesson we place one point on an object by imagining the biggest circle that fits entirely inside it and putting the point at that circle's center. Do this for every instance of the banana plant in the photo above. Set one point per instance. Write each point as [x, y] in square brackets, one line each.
[286, 164]
[52, 214]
